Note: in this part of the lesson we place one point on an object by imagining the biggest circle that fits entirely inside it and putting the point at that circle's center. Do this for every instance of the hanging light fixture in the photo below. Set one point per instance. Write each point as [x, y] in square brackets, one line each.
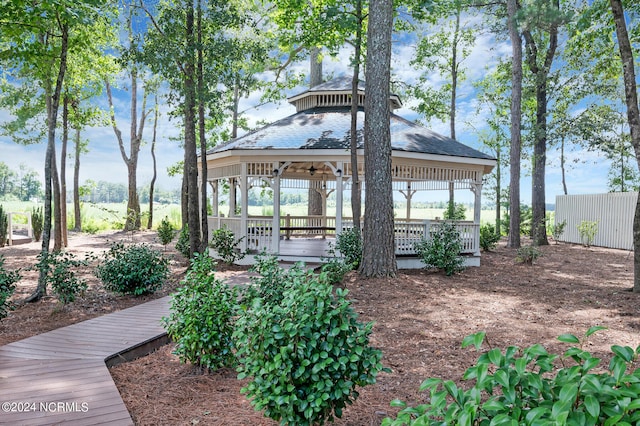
[312, 170]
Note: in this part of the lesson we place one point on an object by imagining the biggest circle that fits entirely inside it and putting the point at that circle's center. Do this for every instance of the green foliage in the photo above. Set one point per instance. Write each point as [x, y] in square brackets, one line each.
[4, 226]
[588, 231]
[558, 230]
[349, 244]
[488, 237]
[37, 221]
[166, 231]
[528, 254]
[442, 250]
[526, 219]
[455, 211]
[61, 268]
[183, 245]
[533, 387]
[224, 242]
[305, 351]
[8, 280]
[201, 319]
[335, 270]
[136, 269]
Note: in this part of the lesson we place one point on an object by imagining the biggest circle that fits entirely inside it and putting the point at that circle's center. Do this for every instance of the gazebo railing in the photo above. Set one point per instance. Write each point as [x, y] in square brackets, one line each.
[259, 234]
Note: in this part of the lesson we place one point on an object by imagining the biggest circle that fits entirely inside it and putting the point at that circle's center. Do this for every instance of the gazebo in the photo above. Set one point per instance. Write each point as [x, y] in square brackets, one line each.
[311, 150]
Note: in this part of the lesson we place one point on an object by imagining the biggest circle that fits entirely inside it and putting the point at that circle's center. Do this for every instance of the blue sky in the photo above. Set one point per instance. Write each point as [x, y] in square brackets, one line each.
[588, 173]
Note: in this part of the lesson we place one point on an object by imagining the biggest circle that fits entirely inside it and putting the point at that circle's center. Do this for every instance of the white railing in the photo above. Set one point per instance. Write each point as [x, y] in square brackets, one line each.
[12, 226]
[259, 234]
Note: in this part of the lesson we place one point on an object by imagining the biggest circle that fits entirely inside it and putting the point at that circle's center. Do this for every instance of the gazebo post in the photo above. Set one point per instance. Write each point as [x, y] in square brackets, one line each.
[338, 173]
[476, 188]
[214, 198]
[244, 212]
[408, 196]
[232, 197]
[275, 226]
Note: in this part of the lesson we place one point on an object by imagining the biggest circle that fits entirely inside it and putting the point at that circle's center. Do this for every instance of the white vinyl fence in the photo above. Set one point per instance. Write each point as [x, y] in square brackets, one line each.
[613, 212]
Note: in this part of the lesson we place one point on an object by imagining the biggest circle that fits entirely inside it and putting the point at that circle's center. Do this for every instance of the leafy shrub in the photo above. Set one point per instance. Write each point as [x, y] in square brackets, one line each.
[527, 387]
[166, 232]
[201, 319]
[37, 222]
[4, 226]
[528, 254]
[136, 269]
[305, 352]
[224, 242]
[558, 230]
[442, 250]
[182, 245]
[488, 237]
[588, 231]
[8, 280]
[335, 270]
[270, 282]
[61, 274]
[455, 211]
[349, 244]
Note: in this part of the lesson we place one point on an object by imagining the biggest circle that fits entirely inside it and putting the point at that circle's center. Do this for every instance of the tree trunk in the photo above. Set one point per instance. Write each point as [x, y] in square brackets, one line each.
[498, 191]
[378, 257]
[356, 191]
[190, 145]
[57, 213]
[52, 99]
[633, 116]
[152, 185]
[538, 196]
[562, 166]
[204, 224]
[516, 115]
[77, 218]
[63, 172]
[314, 203]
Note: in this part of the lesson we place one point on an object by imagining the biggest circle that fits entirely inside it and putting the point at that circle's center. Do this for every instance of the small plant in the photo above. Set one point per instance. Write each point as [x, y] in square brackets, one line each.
[455, 211]
[335, 270]
[61, 274]
[528, 254]
[531, 386]
[136, 269]
[202, 317]
[8, 280]
[4, 226]
[37, 221]
[305, 353]
[442, 250]
[558, 230]
[588, 231]
[182, 245]
[488, 237]
[349, 244]
[166, 232]
[225, 244]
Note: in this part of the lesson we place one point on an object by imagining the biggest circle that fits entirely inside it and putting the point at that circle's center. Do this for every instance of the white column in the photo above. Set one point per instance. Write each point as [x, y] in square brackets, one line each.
[214, 198]
[275, 227]
[339, 172]
[476, 188]
[232, 197]
[244, 204]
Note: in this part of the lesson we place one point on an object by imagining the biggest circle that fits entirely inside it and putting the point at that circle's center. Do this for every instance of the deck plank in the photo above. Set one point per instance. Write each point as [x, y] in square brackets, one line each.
[67, 367]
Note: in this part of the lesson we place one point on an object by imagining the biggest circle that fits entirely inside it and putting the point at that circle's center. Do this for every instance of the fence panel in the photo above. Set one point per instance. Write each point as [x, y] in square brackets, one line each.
[613, 212]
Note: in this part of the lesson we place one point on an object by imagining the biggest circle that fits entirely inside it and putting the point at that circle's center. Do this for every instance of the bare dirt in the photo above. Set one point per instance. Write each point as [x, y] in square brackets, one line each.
[420, 320]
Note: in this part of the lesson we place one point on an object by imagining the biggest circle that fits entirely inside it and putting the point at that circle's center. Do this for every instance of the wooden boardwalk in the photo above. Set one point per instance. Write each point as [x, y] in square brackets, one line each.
[61, 377]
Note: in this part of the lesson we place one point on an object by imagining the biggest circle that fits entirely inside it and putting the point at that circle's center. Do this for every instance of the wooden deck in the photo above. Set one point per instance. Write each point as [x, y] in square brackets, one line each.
[62, 376]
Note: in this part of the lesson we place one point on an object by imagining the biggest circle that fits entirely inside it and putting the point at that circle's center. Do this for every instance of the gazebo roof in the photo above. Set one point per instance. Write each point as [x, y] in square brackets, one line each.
[329, 128]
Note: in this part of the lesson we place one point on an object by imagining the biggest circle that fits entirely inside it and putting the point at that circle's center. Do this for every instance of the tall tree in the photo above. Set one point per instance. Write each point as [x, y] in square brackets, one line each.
[378, 257]
[633, 117]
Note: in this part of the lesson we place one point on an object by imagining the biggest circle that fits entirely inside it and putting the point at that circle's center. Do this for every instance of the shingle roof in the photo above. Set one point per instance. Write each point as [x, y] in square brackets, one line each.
[329, 128]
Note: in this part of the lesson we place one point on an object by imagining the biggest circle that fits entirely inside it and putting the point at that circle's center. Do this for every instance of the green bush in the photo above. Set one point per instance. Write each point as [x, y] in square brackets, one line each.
[442, 250]
[136, 269]
[4, 226]
[305, 352]
[533, 387]
[349, 244]
[335, 270]
[8, 280]
[61, 270]
[166, 232]
[269, 283]
[201, 319]
[37, 222]
[224, 242]
[182, 245]
[588, 231]
[558, 230]
[488, 237]
[455, 211]
[528, 254]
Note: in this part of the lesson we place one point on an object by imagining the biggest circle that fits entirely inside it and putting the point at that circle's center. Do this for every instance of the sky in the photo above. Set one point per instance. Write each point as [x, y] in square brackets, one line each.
[587, 172]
